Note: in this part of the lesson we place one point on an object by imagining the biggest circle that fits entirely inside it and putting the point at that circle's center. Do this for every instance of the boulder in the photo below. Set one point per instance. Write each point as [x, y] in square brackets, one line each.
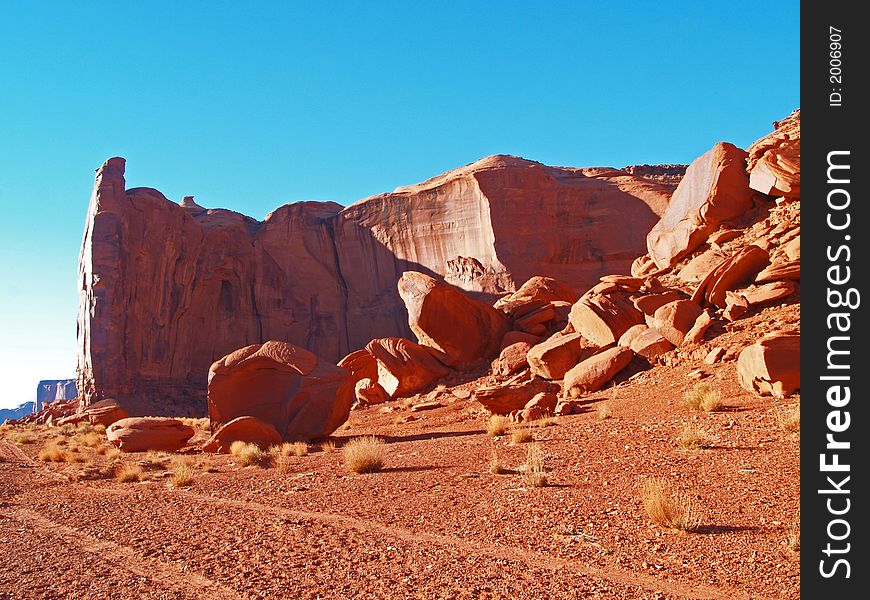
[603, 319]
[650, 344]
[714, 191]
[701, 264]
[361, 364]
[243, 429]
[139, 434]
[696, 333]
[774, 161]
[784, 271]
[593, 373]
[541, 405]
[288, 387]
[368, 391]
[404, 367]
[675, 319]
[511, 359]
[740, 268]
[632, 334]
[648, 304]
[512, 395]
[512, 337]
[104, 412]
[462, 329]
[533, 294]
[553, 358]
[771, 366]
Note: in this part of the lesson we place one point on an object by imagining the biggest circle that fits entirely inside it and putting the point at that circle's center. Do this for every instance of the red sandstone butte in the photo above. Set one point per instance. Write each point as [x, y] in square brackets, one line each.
[167, 289]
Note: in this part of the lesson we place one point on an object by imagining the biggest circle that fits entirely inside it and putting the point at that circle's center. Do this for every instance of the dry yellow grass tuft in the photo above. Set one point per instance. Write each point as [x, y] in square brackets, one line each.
[603, 409]
[693, 438]
[793, 542]
[127, 472]
[497, 425]
[91, 439]
[669, 508]
[182, 475]
[247, 454]
[789, 419]
[703, 397]
[54, 453]
[21, 437]
[364, 454]
[534, 471]
[327, 446]
[495, 466]
[520, 435]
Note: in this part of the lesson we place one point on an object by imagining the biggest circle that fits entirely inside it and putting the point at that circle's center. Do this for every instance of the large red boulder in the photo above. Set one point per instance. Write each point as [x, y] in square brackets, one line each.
[553, 358]
[602, 319]
[243, 429]
[740, 268]
[462, 329]
[512, 395]
[591, 374]
[404, 367]
[511, 359]
[139, 434]
[714, 190]
[675, 319]
[284, 385]
[771, 366]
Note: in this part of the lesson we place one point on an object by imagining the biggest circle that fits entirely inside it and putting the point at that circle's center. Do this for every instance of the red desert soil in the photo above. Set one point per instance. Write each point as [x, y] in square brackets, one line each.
[434, 523]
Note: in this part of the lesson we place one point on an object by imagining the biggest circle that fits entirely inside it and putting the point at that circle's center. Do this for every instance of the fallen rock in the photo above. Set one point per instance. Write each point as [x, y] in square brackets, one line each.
[139, 434]
[534, 294]
[244, 429]
[675, 319]
[541, 405]
[284, 385]
[774, 161]
[361, 364]
[502, 399]
[368, 392]
[104, 412]
[511, 360]
[697, 268]
[780, 272]
[715, 355]
[714, 190]
[741, 268]
[512, 337]
[568, 407]
[632, 334]
[591, 374]
[603, 319]
[553, 358]
[464, 330]
[650, 303]
[404, 367]
[771, 366]
[650, 344]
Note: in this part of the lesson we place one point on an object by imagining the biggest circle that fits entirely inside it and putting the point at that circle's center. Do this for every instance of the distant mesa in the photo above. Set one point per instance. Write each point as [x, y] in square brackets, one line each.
[47, 391]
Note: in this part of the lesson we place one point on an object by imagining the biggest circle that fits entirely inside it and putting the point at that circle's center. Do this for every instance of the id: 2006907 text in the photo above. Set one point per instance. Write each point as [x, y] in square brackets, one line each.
[835, 66]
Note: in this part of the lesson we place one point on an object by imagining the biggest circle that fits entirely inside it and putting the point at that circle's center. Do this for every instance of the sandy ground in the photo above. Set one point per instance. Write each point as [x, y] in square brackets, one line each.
[435, 522]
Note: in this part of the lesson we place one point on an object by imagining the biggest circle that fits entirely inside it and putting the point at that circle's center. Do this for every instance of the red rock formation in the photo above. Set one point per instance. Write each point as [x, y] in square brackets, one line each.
[368, 391]
[602, 319]
[714, 190]
[774, 161]
[553, 358]
[771, 366]
[591, 374]
[283, 385]
[512, 395]
[511, 359]
[462, 330]
[166, 289]
[404, 368]
[243, 429]
[138, 434]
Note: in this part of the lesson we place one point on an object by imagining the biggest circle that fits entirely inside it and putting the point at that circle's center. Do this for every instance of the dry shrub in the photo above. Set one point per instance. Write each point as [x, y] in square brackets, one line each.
[497, 425]
[603, 410]
[327, 446]
[54, 453]
[693, 438]
[90, 439]
[521, 435]
[364, 454]
[547, 420]
[182, 475]
[282, 462]
[127, 472]
[68, 429]
[793, 542]
[281, 454]
[495, 466]
[100, 428]
[669, 508]
[247, 454]
[84, 427]
[703, 397]
[789, 419]
[21, 437]
[534, 471]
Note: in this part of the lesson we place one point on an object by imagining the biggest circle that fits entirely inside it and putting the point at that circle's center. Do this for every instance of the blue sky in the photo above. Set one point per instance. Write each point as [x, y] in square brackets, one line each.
[250, 105]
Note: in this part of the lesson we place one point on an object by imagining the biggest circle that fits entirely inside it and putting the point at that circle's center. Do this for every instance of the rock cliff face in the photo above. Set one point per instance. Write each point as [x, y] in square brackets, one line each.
[49, 390]
[168, 288]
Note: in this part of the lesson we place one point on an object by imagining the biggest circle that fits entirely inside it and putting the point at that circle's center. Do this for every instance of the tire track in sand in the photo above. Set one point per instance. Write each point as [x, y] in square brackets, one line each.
[164, 574]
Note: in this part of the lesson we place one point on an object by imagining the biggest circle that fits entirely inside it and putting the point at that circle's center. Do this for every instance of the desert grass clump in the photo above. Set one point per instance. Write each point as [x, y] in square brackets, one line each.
[703, 397]
[84, 427]
[21, 437]
[793, 541]
[290, 449]
[520, 435]
[182, 475]
[534, 471]
[789, 419]
[90, 439]
[364, 454]
[497, 425]
[693, 438]
[247, 454]
[603, 409]
[669, 508]
[68, 429]
[127, 472]
[54, 453]
[327, 446]
[495, 465]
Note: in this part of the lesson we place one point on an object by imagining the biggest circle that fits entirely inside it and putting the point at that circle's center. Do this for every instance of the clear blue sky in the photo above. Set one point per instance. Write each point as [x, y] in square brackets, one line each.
[250, 105]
